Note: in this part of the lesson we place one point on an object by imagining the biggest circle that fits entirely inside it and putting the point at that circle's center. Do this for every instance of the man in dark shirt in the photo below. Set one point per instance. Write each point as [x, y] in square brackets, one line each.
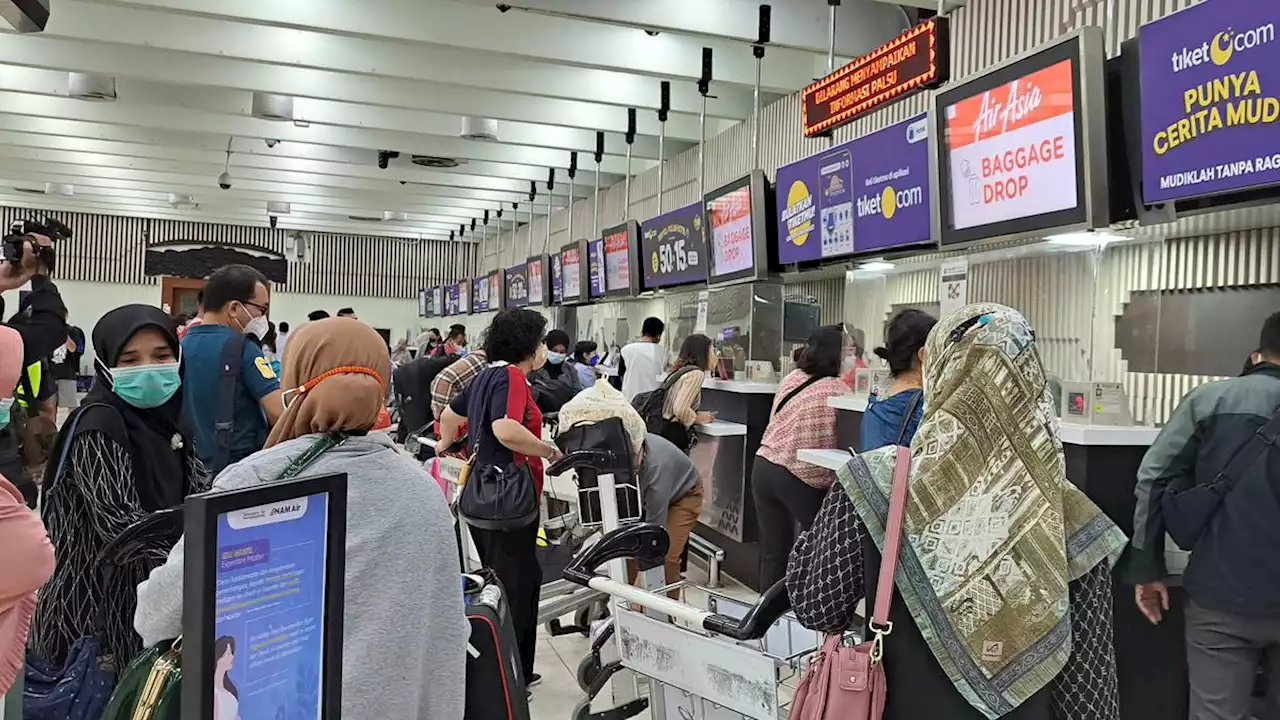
[236, 303]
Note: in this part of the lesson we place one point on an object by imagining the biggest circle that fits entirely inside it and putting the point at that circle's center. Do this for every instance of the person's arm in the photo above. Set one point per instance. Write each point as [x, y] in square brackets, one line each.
[450, 422]
[443, 389]
[1171, 458]
[685, 396]
[515, 398]
[1087, 688]
[261, 381]
[27, 561]
[101, 472]
[824, 573]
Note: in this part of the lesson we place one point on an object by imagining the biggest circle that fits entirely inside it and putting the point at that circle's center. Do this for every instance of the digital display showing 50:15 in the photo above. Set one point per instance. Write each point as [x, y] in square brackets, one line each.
[673, 248]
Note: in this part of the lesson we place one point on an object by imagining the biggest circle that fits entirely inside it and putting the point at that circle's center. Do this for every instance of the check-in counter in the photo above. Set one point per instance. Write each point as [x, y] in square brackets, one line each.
[849, 409]
[728, 513]
[1103, 461]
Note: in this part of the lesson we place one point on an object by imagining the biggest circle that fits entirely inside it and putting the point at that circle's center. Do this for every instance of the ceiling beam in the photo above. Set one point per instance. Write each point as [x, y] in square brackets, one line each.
[469, 68]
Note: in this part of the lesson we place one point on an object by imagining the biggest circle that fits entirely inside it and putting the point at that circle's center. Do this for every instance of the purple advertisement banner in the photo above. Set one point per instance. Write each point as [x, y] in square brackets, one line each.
[451, 300]
[517, 286]
[1210, 113]
[480, 294]
[673, 250]
[866, 195]
[595, 267]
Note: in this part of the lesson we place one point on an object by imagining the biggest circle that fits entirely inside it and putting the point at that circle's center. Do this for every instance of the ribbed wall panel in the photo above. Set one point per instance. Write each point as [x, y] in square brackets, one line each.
[827, 293]
[103, 248]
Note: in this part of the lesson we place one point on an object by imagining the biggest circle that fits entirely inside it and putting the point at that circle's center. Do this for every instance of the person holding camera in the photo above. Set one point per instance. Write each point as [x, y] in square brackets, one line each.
[41, 322]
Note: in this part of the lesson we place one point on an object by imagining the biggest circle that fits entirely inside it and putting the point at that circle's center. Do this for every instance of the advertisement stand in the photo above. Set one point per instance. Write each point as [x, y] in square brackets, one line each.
[263, 601]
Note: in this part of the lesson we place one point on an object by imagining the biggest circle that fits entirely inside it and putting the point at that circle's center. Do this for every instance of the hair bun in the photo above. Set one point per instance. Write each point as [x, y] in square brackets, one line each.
[882, 352]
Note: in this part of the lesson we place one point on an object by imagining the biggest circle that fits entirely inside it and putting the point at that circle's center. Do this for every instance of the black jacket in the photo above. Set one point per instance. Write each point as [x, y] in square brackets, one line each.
[41, 320]
[1234, 567]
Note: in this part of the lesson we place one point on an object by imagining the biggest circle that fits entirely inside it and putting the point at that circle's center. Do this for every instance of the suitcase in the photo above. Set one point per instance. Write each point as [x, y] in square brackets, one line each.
[495, 681]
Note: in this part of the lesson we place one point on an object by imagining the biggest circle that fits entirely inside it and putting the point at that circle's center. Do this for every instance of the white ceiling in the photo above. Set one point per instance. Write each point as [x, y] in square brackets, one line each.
[369, 75]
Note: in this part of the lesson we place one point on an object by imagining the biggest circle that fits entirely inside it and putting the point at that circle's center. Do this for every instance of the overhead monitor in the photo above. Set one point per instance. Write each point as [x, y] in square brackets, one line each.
[557, 278]
[1210, 82]
[673, 250]
[480, 294]
[497, 284]
[464, 297]
[573, 268]
[451, 299]
[595, 269]
[868, 195]
[1022, 148]
[517, 286]
[536, 276]
[423, 302]
[263, 600]
[737, 219]
[437, 300]
[621, 271]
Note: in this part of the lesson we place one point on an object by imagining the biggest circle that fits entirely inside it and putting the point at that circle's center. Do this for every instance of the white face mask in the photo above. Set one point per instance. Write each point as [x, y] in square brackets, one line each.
[257, 327]
[848, 364]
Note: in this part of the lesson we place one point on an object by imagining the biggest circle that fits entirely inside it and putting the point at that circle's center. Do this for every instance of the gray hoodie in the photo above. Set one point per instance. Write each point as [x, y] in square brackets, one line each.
[404, 631]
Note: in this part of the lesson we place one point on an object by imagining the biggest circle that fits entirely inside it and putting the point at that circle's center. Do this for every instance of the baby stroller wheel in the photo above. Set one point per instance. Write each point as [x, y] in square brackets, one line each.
[588, 670]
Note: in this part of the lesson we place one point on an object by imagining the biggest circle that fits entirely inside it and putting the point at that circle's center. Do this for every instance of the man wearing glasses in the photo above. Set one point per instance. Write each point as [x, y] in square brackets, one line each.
[231, 396]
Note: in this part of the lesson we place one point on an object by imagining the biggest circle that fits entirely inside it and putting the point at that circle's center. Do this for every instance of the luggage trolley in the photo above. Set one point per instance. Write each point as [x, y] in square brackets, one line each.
[719, 662]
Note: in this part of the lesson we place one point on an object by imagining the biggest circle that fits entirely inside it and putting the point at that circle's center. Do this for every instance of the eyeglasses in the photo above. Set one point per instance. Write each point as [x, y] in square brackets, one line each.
[262, 309]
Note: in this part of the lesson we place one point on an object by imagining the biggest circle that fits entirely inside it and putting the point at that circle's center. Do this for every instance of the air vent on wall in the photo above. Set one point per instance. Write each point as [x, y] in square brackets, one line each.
[364, 218]
[91, 86]
[29, 191]
[270, 106]
[432, 161]
[478, 128]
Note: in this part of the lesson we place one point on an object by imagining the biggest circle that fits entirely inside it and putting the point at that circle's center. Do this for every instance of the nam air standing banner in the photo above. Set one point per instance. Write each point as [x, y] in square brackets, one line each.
[1210, 107]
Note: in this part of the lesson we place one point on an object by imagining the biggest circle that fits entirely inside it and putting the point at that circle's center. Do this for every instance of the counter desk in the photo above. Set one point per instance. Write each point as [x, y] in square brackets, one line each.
[725, 456]
[1103, 462]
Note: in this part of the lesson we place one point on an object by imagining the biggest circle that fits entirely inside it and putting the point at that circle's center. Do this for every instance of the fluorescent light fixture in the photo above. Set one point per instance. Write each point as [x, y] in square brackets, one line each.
[1086, 238]
[877, 265]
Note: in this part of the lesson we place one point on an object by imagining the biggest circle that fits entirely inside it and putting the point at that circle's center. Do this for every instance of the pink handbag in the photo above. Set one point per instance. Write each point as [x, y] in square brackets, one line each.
[848, 683]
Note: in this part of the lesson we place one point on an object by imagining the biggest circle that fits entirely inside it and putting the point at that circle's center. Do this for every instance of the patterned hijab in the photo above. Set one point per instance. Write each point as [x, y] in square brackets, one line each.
[994, 530]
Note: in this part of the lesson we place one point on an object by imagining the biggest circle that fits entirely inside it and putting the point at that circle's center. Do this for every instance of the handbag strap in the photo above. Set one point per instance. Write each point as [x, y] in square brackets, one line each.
[308, 457]
[787, 398]
[912, 404]
[880, 624]
[1267, 436]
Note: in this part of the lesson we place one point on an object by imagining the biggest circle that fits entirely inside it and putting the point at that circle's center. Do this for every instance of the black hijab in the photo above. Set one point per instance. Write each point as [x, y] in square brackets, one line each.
[161, 471]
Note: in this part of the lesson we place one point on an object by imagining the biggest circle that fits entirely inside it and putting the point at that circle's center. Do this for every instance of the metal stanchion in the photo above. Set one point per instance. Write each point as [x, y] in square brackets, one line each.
[458, 262]
[457, 248]
[515, 229]
[528, 236]
[595, 229]
[704, 87]
[664, 109]
[631, 138]
[757, 51]
[484, 241]
[551, 183]
[831, 40]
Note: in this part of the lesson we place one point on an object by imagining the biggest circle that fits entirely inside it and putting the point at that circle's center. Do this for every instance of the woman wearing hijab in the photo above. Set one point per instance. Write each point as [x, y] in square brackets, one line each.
[404, 632]
[1002, 606]
[27, 560]
[126, 457]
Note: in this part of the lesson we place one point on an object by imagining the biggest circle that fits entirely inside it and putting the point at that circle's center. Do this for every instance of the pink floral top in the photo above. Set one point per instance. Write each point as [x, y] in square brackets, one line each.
[806, 421]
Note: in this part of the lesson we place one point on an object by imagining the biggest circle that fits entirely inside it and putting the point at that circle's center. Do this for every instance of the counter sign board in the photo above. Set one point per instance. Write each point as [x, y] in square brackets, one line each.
[919, 58]
[672, 248]
[1210, 108]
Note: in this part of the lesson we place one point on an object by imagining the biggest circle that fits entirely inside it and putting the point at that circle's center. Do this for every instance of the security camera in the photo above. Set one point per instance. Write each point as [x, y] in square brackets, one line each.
[272, 142]
[503, 7]
[652, 33]
[274, 221]
[384, 156]
[224, 181]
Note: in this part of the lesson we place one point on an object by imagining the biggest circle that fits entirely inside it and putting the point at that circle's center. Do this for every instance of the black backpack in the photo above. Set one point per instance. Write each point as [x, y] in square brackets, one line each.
[650, 404]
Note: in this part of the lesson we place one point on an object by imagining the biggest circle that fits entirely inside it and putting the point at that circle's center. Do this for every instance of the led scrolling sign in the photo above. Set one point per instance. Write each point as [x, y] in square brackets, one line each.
[918, 59]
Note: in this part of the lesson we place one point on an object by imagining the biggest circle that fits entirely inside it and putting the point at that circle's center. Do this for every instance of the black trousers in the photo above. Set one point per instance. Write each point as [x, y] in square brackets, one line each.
[512, 555]
[783, 502]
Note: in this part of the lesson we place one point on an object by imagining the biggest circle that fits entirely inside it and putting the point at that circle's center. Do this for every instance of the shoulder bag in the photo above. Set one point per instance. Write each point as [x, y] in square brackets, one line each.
[848, 683]
[1188, 511]
[151, 687]
[497, 497]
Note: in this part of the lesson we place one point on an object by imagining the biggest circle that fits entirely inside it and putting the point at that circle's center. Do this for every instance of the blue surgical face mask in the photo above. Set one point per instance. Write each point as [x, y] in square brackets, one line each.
[146, 386]
[595, 358]
[6, 406]
[555, 358]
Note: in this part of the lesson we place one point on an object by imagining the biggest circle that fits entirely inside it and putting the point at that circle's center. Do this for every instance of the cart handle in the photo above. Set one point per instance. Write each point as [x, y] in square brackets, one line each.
[586, 458]
[646, 542]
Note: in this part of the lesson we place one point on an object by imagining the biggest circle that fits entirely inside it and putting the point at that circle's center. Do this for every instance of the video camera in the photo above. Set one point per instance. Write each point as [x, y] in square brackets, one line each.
[17, 236]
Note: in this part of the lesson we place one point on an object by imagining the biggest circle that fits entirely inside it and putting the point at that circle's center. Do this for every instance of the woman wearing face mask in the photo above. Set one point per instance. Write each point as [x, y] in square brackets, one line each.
[892, 416]
[126, 456]
[505, 427]
[556, 382]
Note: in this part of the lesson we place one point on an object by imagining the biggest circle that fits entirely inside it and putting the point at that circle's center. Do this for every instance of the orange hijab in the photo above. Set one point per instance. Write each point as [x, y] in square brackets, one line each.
[344, 367]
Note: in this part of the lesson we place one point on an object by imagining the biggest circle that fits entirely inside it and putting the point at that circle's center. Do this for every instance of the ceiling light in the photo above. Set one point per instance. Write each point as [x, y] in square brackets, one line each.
[270, 106]
[877, 265]
[478, 128]
[91, 86]
[1086, 238]
[394, 216]
[178, 200]
[62, 189]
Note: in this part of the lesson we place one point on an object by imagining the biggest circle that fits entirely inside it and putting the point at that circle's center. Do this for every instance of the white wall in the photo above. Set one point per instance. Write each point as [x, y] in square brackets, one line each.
[400, 315]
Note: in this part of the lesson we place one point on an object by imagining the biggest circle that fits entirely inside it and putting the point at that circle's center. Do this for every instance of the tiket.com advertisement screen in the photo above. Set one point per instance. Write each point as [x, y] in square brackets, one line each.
[268, 633]
[1011, 150]
[729, 215]
[1210, 106]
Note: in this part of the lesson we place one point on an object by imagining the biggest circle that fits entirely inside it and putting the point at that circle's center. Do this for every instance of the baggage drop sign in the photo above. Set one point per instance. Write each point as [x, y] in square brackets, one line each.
[1210, 100]
[1011, 150]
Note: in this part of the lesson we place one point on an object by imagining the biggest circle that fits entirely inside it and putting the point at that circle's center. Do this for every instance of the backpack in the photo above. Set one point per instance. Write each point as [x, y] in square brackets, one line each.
[650, 405]
[551, 394]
